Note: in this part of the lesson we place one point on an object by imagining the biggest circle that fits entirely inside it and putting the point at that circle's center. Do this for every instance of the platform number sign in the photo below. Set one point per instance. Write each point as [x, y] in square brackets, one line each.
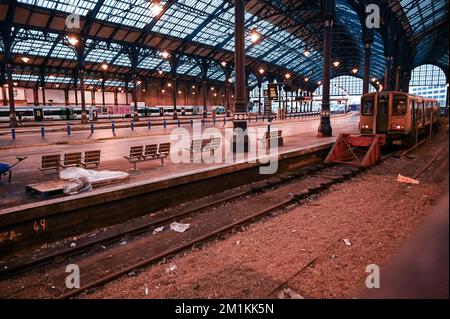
[273, 91]
[39, 225]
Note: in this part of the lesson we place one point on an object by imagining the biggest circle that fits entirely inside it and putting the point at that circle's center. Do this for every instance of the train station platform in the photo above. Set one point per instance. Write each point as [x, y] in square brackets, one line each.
[58, 133]
[130, 198]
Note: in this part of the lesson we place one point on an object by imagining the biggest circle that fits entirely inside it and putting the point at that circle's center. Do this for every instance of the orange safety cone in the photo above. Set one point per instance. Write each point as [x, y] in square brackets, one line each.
[403, 179]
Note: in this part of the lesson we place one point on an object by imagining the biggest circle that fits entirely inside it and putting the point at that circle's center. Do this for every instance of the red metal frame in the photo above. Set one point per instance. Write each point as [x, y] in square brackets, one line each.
[358, 150]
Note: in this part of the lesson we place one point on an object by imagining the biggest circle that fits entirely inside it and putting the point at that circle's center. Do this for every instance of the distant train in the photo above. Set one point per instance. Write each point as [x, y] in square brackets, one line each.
[400, 116]
[32, 113]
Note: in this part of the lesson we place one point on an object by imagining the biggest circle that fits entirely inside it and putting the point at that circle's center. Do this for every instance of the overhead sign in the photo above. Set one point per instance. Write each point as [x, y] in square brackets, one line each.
[273, 91]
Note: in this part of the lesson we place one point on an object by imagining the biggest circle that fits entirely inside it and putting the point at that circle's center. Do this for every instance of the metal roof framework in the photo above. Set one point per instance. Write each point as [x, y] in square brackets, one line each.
[199, 36]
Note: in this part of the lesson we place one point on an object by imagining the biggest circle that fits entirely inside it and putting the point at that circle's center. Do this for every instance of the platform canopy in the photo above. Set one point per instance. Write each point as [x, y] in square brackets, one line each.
[199, 33]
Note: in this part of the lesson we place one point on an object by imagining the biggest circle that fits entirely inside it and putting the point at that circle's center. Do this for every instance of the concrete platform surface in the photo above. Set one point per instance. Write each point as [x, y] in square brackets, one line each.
[297, 135]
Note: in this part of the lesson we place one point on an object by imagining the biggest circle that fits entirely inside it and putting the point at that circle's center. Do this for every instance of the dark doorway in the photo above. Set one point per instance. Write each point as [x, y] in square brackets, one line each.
[383, 114]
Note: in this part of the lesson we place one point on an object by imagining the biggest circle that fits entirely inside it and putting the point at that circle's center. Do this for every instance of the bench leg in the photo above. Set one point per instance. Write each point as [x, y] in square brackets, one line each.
[162, 161]
[134, 166]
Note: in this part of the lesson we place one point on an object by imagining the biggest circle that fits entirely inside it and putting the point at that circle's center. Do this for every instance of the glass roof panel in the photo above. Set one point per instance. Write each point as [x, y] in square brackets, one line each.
[151, 63]
[133, 13]
[216, 74]
[423, 13]
[80, 7]
[37, 43]
[185, 16]
[25, 77]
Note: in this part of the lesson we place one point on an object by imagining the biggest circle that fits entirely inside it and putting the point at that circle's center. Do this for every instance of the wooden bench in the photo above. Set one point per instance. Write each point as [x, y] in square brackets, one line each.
[152, 152]
[135, 155]
[163, 152]
[270, 137]
[91, 158]
[50, 162]
[72, 159]
[213, 145]
[196, 146]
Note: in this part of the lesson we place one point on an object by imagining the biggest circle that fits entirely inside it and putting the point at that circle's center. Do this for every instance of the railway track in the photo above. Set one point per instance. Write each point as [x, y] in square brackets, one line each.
[265, 197]
[152, 223]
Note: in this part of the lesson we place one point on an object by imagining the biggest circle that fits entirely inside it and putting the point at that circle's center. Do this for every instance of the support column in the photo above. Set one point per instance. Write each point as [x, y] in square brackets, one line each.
[174, 98]
[103, 93]
[387, 73]
[260, 104]
[292, 101]
[116, 99]
[227, 99]
[301, 102]
[12, 108]
[127, 102]
[398, 76]
[328, 12]
[4, 99]
[367, 39]
[205, 99]
[367, 58]
[446, 98]
[93, 97]
[280, 102]
[240, 116]
[134, 92]
[83, 97]
[76, 95]
[44, 103]
[66, 96]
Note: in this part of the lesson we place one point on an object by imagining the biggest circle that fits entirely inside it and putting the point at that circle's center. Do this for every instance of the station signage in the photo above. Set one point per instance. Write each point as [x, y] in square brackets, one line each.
[272, 91]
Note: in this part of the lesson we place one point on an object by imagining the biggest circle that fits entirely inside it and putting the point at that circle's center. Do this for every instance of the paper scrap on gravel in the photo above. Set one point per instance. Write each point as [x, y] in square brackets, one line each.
[178, 227]
[158, 230]
[404, 179]
[288, 293]
[347, 242]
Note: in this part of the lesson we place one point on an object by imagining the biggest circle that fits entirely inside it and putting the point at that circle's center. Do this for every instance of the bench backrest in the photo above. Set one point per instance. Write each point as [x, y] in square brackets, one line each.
[51, 161]
[136, 151]
[196, 145]
[215, 143]
[92, 156]
[72, 159]
[164, 148]
[151, 150]
[205, 142]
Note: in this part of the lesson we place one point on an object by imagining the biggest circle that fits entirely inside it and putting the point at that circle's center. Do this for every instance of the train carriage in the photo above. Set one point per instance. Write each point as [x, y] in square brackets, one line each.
[400, 116]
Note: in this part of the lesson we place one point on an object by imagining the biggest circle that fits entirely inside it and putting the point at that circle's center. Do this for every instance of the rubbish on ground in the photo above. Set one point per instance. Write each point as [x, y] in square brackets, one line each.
[158, 230]
[288, 293]
[77, 185]
[172, 267]
[404, 179]
[181, 228]
[73, 245]
[347, 242]
[94, 177]
[146, 290]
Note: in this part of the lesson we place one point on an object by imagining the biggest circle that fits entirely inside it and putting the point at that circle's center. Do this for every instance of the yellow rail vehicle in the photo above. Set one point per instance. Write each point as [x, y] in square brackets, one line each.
[400, 116]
